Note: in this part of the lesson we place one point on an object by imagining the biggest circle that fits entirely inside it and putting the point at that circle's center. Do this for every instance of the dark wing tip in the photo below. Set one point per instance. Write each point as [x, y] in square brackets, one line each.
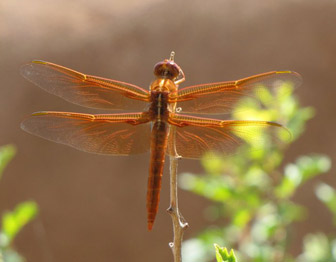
[287, 134]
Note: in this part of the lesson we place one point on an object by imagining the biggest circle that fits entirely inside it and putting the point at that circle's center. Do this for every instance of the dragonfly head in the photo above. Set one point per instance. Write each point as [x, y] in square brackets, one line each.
[167, 68]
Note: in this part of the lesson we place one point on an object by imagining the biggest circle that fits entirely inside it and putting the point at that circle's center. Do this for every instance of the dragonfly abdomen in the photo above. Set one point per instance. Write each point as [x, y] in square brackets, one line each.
[159, 140]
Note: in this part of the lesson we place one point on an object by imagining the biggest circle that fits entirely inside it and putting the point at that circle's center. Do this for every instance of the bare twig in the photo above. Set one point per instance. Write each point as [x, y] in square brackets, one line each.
[179, 224]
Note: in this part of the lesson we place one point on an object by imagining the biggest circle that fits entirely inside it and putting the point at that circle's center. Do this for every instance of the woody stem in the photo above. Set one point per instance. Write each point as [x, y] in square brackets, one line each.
[179, 224]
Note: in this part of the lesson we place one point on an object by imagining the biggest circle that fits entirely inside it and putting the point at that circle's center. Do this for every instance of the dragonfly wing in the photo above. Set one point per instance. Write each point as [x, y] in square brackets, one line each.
[115, 134]
[85, 90]
[193, 137]
[220, 98]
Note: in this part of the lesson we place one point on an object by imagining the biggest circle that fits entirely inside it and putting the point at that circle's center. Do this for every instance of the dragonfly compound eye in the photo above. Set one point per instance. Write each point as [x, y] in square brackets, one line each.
[166, 69]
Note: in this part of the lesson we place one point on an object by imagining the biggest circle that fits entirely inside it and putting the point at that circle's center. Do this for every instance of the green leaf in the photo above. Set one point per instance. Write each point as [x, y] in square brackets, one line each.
[6, 154]
[327, 195]
[242, 217]
[311, 166]
[304, 169]
[214, 188]
[290, 212]
[317, 248]
[12, 222]
[290, 182]
[222, 254]
[298, 120]
[10, 255]
[212, 164]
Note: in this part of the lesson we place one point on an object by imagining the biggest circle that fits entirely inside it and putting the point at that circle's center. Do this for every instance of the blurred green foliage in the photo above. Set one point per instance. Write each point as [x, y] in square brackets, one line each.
[13, 221]
[250, 192]
[6, 154]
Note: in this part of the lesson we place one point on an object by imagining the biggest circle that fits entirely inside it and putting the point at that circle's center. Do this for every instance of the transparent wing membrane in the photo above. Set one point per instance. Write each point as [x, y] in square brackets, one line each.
[85, 90]
[115, 134]
[193, 137]
[221, 98]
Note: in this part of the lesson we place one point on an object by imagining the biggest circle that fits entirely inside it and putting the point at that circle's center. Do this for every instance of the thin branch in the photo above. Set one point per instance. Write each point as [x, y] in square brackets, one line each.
[179, 224]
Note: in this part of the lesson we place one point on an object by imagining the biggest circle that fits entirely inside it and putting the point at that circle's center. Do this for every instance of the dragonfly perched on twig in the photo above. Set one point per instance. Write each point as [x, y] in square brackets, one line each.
[161, 123]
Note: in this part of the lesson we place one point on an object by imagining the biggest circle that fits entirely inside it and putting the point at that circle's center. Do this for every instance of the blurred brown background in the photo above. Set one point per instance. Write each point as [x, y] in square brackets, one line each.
[92, 208]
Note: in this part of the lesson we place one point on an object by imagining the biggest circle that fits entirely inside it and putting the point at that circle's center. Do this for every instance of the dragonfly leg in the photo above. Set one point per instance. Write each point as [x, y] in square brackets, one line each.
[180, 78]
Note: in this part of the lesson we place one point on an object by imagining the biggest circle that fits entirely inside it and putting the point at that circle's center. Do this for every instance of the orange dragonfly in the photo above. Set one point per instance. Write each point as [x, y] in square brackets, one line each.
[157, 126]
